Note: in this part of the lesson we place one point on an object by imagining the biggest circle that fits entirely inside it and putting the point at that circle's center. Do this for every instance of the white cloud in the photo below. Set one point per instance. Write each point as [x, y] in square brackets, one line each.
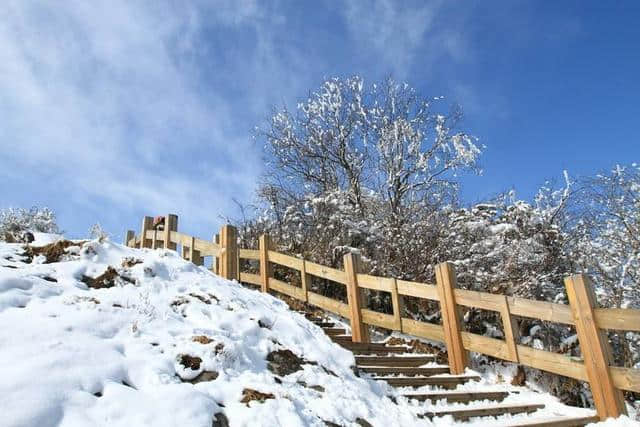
[104, 94]
[392, 30]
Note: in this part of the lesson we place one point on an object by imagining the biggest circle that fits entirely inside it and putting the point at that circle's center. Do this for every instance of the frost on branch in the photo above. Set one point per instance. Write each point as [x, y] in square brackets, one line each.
[14, 222]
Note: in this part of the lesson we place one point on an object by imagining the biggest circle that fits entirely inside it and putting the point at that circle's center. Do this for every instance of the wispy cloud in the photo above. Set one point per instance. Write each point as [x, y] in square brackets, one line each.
[104, 94]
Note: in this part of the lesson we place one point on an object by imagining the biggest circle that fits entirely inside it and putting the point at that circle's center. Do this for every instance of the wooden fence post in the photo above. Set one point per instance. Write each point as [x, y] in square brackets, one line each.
[170, 224]
[594, 346]
[265, 268]
[446, 281]
[215, 261]
[305, 280]
[398, 306]
[130, 235]
[194, 256]
[147, 224]
[229, 255]
[359, 330]
[511, 333]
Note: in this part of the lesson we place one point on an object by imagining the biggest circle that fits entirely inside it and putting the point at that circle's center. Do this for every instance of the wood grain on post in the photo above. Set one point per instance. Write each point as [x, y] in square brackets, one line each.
[305, 280]
[170, 224]
[128, 236]
[398, 306]
[511, 334]
[194, 256]
[359, 330]
[147, 224]
[215, 261]
[594, 346]
[229, 255]
[265, 269]
[446, 281]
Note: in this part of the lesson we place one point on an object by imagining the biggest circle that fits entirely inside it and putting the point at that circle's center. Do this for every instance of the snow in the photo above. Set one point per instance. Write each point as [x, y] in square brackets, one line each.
[76, 356]
[64, 343]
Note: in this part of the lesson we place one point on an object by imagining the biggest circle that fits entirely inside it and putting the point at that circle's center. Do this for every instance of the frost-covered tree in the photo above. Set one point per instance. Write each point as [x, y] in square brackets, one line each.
[609, 235]
[608, 247]
[353, 159]
[16, 221]
[363, 168]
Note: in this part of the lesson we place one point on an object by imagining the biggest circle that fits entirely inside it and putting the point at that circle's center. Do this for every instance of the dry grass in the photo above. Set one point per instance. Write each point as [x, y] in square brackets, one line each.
[53, 252]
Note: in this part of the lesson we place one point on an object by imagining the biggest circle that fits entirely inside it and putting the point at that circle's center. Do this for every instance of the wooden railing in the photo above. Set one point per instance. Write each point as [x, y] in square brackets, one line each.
[590, 321]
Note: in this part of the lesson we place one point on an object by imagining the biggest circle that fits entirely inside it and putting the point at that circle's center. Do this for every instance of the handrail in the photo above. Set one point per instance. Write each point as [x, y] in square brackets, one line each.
[581, 313]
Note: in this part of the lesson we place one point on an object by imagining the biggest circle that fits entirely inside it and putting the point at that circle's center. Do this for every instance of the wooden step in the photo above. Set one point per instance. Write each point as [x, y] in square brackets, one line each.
[394, 360]
[379, 351]
[446, 382]
[487, 411]
[556, 422]
[335, 331]
[459, 396]
[396, 370]
[374, 350]
[345, 337]
[371, 346]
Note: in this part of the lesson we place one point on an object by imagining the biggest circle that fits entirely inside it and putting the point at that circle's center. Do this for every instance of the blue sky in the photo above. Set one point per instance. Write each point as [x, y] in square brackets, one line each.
[110, 110]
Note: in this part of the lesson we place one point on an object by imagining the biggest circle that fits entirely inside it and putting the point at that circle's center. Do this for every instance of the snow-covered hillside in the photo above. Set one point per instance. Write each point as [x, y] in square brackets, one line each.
[94, 333]
[146, 350]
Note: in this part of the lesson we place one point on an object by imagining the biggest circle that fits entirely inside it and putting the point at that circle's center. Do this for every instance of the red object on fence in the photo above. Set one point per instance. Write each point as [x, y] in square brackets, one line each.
[157, 221]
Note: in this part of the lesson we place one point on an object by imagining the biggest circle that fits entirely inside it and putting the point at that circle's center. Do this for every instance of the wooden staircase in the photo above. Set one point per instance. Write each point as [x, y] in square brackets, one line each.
[399, 368]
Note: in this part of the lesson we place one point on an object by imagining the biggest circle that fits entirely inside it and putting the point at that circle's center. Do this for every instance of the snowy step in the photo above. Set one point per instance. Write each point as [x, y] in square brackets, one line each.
[334, 331]
[556, 422]
[496, 410]
[459, 397]
[365, 349]
[446, 382]
[400, 370]
[379, 351]
[365, 345]
[394, 360]
[325, 324]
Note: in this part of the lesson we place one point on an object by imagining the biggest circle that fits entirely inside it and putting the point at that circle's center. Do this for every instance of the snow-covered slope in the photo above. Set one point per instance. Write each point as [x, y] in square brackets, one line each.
[73, 355]
[94, 333]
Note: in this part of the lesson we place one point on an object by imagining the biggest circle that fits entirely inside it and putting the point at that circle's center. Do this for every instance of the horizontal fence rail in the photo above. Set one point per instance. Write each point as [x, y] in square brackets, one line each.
[591, 322]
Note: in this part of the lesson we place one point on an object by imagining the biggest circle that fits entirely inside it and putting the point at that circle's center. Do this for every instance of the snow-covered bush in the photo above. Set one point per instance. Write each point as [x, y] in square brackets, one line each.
[14, 222]
[97, 232]
[607, 246]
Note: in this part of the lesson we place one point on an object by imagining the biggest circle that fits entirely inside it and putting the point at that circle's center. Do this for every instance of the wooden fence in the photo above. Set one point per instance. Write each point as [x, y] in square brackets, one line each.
[590, 321]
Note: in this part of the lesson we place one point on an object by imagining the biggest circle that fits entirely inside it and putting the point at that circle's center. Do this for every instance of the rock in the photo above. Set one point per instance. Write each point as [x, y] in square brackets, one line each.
[204, 377]
[220, 420]
[191, 362]
[249, 395]
[284, 362]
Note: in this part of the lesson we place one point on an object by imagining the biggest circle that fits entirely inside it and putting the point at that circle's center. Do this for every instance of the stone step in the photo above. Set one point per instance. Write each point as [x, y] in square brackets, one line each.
[459, 396]
[496, 410]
